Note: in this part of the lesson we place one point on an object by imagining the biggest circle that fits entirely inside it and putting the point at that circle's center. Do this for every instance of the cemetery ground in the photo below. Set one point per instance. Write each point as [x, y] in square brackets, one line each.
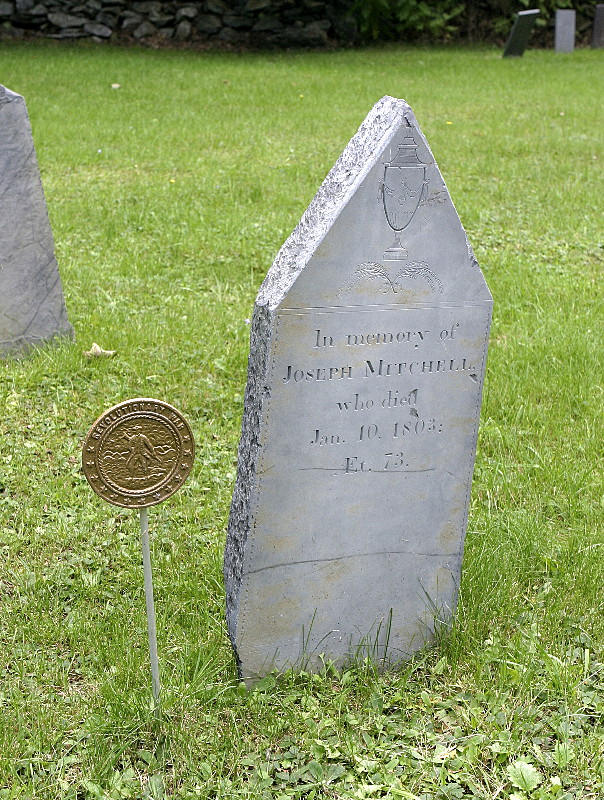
[172, 178]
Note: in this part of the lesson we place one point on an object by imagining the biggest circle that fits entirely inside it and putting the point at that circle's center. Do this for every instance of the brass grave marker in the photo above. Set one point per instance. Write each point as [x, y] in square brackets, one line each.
[137, 454]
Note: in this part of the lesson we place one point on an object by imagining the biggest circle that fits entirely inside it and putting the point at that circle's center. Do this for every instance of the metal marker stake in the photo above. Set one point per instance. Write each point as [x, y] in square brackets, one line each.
[151, 627]
[138, 453]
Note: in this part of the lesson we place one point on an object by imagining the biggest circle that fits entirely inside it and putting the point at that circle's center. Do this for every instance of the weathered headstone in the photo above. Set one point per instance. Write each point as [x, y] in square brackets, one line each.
[368, 349]
[597, 33]
[565, 30]
[32, 308]
[521, 30]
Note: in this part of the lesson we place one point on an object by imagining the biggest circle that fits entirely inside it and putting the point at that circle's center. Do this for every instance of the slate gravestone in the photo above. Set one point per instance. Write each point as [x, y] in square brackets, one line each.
[521, 30]
[565, 30]
[32, 308]
[597, 34]
[367, 357]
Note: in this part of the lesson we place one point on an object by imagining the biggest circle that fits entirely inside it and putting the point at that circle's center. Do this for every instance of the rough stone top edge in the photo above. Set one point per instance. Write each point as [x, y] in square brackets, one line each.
[7, 96]
[359, 156]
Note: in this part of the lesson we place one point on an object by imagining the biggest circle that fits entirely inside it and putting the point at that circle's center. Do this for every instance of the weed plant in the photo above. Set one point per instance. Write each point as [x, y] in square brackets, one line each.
[169, 197]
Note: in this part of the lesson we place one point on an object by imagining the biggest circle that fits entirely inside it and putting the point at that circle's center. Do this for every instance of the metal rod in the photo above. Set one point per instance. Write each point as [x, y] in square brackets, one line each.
[151, 627]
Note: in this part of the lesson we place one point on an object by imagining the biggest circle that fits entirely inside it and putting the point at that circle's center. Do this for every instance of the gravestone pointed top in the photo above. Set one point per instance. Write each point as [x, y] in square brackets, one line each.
[32, 308]
[337, 188]
[367, 357]
[333, 221]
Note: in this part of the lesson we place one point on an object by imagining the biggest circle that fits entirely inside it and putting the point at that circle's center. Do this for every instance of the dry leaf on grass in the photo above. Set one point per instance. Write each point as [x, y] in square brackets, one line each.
[97, 352]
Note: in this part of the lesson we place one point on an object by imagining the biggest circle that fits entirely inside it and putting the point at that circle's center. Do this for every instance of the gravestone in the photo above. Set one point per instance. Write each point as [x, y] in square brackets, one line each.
[32, 308]
[368, 348]
[597, 33]
[521, 30]
[565, 30]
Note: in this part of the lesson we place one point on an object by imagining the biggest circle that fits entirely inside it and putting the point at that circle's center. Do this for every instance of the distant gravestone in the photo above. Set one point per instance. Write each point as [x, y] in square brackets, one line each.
[565, 30]
[32, 308]
[367, 357]
[521, 30]
[597, 34]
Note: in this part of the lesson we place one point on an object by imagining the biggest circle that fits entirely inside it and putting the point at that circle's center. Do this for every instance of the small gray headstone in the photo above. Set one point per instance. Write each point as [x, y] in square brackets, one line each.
[367, 357]
[32, 308]
[521, 30]
[565, 30]
[597, 34]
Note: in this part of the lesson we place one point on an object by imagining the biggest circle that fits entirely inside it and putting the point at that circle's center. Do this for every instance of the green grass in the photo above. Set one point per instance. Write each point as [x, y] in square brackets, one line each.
[168, 198]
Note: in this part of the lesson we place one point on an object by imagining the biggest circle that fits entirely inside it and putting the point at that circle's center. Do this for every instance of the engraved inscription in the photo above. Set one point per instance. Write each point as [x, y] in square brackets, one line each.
[321, 374]
[323, 439]
[377, 368]
[415, 337]
[394, 400]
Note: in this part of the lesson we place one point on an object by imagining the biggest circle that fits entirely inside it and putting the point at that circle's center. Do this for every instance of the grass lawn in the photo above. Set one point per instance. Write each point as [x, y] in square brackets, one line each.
[169, 198]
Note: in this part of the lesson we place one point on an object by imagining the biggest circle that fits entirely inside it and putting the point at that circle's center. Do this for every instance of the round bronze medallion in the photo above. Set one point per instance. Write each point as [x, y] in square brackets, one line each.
[138, 453]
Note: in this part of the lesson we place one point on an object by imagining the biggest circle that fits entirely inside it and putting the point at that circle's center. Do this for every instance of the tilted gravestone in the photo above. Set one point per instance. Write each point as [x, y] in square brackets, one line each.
[565, 30]
[366, 366]
[32, 308]
[521, 30]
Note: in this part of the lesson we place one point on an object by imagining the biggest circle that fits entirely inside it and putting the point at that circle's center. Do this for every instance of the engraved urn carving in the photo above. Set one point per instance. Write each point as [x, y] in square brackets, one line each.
[401, 189]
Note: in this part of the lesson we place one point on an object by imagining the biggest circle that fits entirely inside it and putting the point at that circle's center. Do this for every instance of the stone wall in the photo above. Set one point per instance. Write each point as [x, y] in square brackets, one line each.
[255, 23]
